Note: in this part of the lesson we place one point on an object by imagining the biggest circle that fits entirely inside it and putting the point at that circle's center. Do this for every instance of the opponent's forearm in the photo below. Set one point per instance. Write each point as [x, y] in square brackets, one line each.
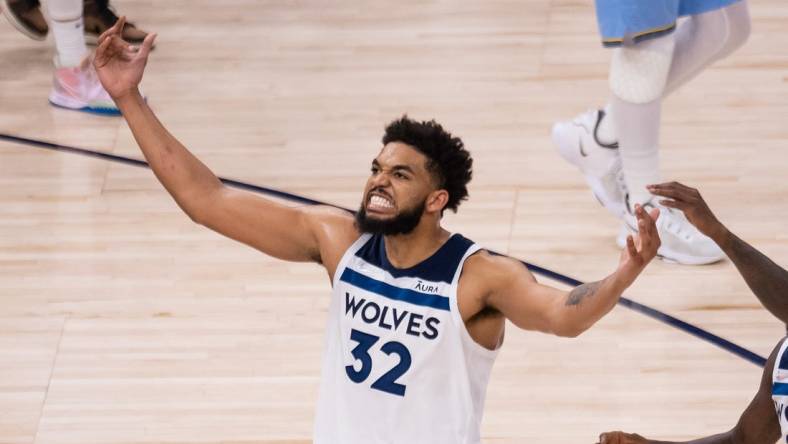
[585, 304]
[765, 278]
[186, 178]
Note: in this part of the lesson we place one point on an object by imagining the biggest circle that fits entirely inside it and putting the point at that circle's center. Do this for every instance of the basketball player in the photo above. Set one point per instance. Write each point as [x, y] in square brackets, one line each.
[617, 148]
[417, 313]
[766, 418]
[75, 85]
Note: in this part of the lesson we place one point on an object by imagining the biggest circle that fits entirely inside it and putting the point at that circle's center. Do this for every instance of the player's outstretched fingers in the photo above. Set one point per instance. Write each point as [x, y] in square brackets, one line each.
[650, 218]
[673, 190]
[147, 45]
[647, 231]
[115, 29]
[103, 53]
[632, 250]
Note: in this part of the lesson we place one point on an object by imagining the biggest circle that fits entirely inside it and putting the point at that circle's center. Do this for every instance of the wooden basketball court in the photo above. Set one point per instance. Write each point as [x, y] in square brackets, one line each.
[121, 321]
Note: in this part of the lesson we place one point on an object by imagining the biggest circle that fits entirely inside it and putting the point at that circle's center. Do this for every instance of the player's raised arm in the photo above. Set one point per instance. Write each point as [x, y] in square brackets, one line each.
[757, 425]
[765, 278]
[533, 306]
[287, 233]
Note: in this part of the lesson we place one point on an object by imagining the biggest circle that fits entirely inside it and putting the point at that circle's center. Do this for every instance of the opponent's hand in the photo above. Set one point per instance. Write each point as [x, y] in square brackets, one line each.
[692, 204]
[621, 438]
[118, 64]
[642, 248]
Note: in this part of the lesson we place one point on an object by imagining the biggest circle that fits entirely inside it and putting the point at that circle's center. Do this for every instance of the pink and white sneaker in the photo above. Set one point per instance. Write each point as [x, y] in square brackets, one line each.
[79, 88]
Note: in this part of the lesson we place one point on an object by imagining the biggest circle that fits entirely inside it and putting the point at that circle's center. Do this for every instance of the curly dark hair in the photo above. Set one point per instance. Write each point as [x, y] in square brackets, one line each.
[447, 157]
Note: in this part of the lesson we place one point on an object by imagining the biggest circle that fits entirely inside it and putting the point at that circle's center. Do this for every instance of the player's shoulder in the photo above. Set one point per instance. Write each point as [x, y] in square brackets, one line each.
[326, 217]
[334, 228]
[328, 212]
[492, 267]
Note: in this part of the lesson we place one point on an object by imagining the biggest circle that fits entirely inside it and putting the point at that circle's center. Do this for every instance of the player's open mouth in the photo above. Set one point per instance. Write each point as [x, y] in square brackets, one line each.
[379, 203]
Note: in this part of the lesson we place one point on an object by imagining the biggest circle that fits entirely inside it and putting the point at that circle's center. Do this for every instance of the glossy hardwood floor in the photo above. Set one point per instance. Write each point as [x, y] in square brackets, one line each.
[123, 322]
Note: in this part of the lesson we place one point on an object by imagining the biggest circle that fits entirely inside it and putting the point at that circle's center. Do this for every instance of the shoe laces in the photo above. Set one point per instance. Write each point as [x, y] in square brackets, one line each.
[668, 220]
[674, 224]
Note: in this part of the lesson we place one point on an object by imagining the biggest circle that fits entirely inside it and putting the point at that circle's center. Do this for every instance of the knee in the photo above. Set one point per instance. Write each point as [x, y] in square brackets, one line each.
[639, 73]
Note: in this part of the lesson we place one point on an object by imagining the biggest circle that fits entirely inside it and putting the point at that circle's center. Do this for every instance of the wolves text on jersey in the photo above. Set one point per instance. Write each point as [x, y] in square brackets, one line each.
[391, 318]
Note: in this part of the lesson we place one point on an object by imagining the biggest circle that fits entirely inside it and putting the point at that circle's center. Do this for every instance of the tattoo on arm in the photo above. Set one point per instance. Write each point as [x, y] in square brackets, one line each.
[582, 292]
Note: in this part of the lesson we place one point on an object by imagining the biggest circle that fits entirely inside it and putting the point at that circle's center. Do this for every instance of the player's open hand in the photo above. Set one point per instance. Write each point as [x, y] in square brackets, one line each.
[642, 248]
[621, 438]
[689, 201]
[120, 65]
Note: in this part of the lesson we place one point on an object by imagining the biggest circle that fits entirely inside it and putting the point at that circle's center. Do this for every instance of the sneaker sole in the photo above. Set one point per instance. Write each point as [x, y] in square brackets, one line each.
[90, 109]
[671, 257]
[16, 23]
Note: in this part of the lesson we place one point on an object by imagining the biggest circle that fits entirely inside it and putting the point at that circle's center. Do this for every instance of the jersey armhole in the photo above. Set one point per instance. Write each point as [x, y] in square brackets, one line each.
[353, 249]
[455, 311]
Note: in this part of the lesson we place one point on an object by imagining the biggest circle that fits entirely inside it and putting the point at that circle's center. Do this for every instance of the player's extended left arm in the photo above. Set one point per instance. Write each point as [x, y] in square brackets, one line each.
[534, 306]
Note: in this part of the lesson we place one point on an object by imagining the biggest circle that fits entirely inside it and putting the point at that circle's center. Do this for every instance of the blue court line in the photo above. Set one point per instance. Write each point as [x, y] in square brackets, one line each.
[626, 302]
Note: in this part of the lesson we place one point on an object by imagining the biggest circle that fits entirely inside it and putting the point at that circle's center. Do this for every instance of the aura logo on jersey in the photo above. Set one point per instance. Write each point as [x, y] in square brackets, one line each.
[391, 318]
[421, 286]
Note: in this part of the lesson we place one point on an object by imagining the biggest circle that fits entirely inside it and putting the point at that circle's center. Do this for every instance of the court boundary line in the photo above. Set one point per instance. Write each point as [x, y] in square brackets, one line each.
[645, 310]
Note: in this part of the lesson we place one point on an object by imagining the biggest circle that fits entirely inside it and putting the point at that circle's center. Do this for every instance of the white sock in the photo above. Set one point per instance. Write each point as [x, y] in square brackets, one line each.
[638, 140]
[700, 41]
[706, 38]
[68, 30]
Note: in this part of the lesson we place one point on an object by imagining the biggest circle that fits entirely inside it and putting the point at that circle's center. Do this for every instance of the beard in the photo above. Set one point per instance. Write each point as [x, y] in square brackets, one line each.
[402, 223]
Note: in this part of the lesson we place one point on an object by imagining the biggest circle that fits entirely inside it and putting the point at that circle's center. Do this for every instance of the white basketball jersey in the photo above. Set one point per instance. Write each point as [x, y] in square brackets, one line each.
[780, 389]
[399, 366]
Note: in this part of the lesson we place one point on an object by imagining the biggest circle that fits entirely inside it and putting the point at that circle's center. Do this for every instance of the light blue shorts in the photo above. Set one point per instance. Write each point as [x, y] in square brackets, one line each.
[634, 20]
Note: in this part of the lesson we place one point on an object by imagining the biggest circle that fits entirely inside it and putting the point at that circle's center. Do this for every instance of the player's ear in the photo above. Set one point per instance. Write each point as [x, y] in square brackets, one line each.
[436, 201]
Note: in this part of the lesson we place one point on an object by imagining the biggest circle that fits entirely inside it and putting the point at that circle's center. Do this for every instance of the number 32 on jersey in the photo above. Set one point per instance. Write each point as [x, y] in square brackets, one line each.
[388, 381]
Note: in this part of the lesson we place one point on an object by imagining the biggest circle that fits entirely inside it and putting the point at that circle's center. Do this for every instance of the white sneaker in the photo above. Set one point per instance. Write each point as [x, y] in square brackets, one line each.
[600, 164]
[79, 88]
[682, 243]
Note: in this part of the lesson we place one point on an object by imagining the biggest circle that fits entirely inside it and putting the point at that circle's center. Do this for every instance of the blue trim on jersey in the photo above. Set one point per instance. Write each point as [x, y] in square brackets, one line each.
[396, 293]
[779, 388]
[636, 20]
[440, 267]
